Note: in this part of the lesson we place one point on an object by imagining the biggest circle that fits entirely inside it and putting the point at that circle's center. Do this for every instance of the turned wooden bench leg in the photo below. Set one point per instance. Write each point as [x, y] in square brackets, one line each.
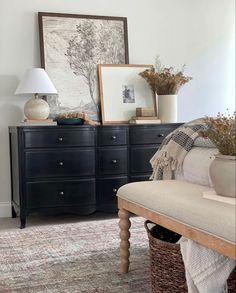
[124, 225]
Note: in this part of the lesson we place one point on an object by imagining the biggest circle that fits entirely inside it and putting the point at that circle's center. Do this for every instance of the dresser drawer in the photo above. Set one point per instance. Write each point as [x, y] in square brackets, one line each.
[140, 157]
[149, 134]
[60, 194]
[57, 137]
[107, 189]
[138, 178]
[112, 161]
[53, 163]
[112, 136]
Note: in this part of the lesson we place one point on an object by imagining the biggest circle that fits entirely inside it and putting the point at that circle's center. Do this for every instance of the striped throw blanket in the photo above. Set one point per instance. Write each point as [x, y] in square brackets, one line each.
[174, 148]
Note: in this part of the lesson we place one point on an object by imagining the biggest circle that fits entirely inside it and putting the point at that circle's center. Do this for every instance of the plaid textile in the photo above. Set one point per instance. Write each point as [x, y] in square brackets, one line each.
[174, 148]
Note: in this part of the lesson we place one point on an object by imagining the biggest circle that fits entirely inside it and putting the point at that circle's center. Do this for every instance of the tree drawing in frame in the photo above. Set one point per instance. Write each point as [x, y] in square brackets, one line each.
[71, 47]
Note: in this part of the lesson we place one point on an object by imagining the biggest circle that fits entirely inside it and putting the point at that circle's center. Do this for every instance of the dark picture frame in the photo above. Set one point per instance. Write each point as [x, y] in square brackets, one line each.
[71, 46]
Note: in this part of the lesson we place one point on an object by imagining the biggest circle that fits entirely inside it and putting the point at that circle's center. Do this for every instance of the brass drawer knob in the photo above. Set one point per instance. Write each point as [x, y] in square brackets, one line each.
[61, 192]
[114, 190]
[61, 163]
[114, 161]
[60, 138]
[113, 137]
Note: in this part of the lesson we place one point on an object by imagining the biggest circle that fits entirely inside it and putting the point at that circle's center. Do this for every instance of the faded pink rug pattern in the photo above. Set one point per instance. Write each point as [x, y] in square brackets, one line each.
[81, 257]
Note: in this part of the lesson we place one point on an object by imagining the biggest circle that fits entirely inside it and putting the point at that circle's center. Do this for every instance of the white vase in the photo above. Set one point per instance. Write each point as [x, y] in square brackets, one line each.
[167, 108]
[222, 173]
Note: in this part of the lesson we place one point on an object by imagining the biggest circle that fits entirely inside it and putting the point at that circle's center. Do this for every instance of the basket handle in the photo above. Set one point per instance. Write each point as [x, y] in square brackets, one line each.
[146, 225]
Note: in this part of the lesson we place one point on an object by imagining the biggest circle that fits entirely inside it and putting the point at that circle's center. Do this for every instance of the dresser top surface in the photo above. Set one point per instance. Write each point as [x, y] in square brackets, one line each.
[91, 126]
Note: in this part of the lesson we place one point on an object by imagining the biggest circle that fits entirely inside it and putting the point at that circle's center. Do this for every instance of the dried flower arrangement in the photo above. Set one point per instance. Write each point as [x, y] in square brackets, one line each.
[221, 130]
[165, 81]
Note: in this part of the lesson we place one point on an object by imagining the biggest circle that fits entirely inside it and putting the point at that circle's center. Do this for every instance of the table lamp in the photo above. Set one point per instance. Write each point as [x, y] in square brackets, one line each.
[36, 81]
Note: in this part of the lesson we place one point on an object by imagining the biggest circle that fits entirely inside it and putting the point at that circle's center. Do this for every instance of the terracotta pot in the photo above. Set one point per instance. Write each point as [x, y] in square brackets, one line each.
[222, 173]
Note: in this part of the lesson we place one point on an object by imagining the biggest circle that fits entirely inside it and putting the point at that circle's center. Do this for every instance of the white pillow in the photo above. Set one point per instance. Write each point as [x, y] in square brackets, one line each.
[196, 166]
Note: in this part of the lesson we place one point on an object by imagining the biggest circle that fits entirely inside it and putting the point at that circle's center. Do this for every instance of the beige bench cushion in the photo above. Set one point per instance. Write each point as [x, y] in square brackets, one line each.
[183, 201]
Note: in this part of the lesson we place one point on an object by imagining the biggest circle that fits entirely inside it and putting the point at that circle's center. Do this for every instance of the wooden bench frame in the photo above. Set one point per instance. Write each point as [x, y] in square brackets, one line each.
[127, 208]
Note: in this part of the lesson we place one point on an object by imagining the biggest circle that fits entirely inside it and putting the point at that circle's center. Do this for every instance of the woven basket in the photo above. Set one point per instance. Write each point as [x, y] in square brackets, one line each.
[167, 267]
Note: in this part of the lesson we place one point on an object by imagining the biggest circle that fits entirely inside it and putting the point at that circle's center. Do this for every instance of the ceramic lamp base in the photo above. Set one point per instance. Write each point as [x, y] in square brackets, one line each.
[36, 108]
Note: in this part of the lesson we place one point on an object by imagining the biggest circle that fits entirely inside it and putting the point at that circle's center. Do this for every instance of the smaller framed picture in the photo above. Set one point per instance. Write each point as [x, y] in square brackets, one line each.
[122, 90]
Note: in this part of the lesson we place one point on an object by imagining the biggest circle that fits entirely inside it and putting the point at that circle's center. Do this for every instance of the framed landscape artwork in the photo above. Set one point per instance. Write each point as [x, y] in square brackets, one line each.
[71, 46]
[122, 90]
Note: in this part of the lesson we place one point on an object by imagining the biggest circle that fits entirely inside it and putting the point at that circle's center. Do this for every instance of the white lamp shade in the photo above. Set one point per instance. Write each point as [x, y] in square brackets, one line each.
[36, 81]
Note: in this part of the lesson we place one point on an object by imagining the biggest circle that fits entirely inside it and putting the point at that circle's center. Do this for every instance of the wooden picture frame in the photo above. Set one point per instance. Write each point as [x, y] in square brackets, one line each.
[71, 46]
[122, 90]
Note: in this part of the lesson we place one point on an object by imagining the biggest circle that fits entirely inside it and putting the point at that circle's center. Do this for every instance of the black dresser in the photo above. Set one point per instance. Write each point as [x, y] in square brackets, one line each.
[112, 164]
[78, 168]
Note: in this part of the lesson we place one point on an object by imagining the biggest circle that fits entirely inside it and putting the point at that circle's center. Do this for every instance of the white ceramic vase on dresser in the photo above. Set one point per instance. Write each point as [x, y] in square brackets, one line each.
[167, 108]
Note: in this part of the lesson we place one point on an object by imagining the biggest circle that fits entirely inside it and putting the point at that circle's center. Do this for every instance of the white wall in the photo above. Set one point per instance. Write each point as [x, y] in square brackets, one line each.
[198, 33]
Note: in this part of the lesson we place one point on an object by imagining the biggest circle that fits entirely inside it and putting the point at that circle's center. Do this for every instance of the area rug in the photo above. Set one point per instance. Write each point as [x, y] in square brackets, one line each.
[78, 257]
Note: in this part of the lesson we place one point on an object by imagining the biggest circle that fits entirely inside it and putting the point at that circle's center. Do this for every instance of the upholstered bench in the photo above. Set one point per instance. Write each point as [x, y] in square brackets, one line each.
[180, 207]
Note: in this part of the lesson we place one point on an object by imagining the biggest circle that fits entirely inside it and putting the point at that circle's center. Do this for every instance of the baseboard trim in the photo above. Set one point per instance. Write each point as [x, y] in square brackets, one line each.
[5, 209]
